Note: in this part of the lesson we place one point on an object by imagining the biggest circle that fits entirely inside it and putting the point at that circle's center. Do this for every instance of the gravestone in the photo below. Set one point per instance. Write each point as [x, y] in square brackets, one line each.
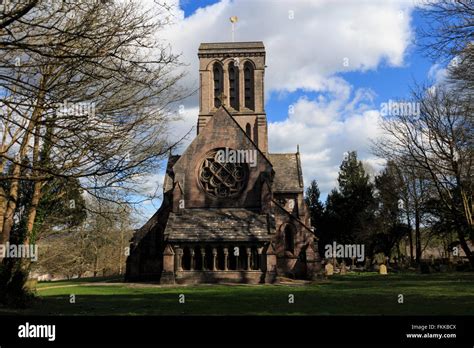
[329, 269]
[367, 264]
[31, 284]
[383, 269]
[343, 268]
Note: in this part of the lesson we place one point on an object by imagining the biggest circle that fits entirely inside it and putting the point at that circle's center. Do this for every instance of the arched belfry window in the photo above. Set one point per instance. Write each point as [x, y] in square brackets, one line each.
[289, 235]
[234, 86]
[248, 130]
[218, 84]
[249, 86]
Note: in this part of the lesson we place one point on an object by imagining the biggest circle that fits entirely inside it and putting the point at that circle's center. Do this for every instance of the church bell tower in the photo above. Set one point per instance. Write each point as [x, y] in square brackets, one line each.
[232, 75]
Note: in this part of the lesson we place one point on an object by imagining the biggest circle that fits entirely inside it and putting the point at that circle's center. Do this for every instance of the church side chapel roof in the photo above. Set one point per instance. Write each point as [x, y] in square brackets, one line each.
[198, 225]
[168, 183]
[293, 217]
[288, 175]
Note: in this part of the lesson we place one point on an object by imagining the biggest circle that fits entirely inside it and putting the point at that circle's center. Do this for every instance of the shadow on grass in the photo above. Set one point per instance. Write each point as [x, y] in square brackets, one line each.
[316, 302]
[437, 294]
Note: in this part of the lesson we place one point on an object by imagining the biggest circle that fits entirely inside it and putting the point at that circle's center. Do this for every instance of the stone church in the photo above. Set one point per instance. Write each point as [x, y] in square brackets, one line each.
[231, 211]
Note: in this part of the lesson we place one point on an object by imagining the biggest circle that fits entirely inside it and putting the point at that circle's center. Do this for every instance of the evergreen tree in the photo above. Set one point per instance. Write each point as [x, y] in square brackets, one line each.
[316, 208]
[350, 210]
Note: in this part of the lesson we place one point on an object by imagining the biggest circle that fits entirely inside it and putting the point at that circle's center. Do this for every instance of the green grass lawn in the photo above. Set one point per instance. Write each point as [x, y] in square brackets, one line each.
[364, 294]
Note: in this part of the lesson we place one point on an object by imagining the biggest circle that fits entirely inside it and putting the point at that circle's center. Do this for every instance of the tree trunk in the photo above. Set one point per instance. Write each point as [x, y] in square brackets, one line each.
[36, 191]
[15, 182]
[96, 265]
[417, 235]
[32, 212]
[410, 237]
[121, 250]
[466, 249]
[410, 240]
[3, 206]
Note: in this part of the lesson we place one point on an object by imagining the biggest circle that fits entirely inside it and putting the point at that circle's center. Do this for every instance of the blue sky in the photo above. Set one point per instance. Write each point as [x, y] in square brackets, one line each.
[336, 106]
[191, 6]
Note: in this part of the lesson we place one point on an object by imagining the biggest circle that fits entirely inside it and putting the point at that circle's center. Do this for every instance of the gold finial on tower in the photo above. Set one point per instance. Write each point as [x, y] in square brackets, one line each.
[233, 20]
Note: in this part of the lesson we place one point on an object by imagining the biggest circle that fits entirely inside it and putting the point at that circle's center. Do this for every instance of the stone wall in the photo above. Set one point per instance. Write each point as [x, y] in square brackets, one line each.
[197, 277]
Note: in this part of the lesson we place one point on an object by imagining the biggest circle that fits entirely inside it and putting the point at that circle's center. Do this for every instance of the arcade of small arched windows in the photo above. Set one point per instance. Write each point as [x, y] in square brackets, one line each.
[217, 258]
[233, 72]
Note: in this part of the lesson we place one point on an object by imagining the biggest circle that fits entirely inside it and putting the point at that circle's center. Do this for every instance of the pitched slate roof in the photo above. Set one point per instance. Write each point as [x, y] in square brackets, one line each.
[168, 184]
[214, 225]
[288, 175]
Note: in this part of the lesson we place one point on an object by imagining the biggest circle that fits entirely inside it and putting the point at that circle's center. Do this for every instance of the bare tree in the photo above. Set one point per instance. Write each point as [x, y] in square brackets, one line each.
[449, 35]
[96, 247]
[87, 100]
[449, 27]
[13, 11]
[87, 93]
[414, 191]
[439, 144]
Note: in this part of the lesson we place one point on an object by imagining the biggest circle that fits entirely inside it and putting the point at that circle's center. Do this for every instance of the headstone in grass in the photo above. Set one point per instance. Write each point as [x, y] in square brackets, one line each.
[31, 284]
[353, 263]
[343, 268]
[383, 270]
[329, 269]
[367, 264]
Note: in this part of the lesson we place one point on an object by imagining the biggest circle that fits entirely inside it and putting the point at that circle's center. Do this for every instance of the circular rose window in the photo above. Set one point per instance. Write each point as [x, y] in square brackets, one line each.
[222, 178]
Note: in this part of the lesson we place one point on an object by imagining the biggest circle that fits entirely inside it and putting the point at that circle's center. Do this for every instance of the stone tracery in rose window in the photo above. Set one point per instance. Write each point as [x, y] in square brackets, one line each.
[222, 179]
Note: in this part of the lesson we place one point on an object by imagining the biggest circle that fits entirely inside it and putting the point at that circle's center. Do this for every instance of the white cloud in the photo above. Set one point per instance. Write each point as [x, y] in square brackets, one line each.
[437, 74]
[303, 50]
[348, 124]
[183, 128]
